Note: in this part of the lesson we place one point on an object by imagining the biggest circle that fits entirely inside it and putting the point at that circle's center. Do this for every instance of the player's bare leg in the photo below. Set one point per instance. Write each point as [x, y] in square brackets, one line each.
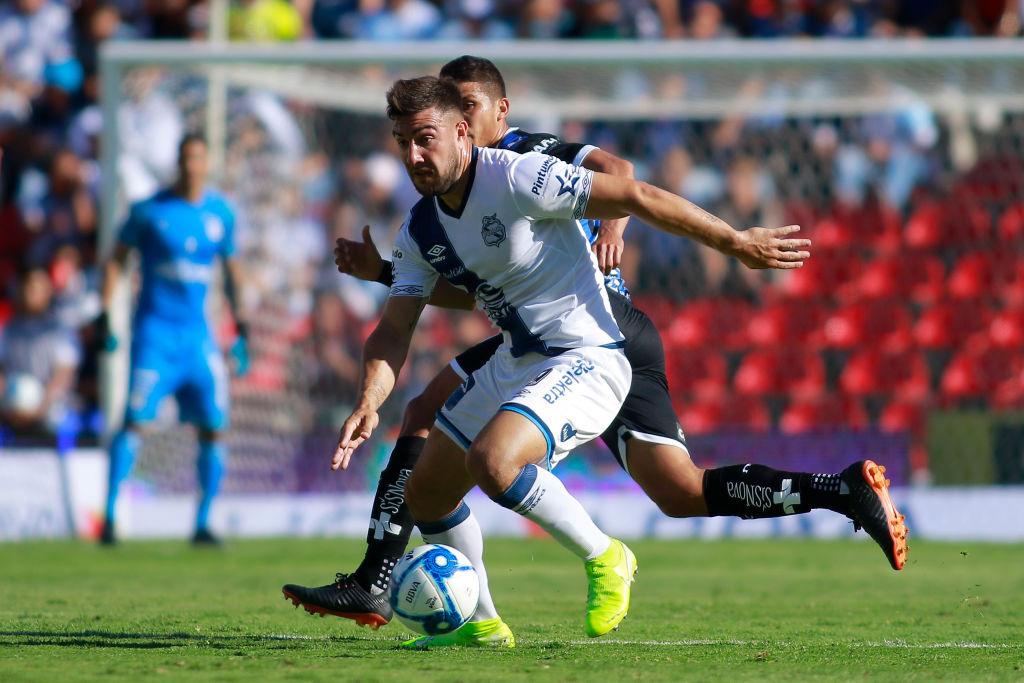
[681, 489]
[434, 492]
[362, 595]
[502, 460]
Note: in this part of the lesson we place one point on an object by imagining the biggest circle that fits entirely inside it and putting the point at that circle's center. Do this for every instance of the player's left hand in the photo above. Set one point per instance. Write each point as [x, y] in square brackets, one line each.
[771, 248]
[357, 429]
[240, 350]
[608, 249]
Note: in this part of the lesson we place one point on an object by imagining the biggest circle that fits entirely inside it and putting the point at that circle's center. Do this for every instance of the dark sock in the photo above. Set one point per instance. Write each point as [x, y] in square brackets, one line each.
[755, 491]
[391, 524]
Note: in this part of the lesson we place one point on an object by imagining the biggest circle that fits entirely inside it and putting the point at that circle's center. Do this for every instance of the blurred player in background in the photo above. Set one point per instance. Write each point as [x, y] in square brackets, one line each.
[179, 235]
[645, 437]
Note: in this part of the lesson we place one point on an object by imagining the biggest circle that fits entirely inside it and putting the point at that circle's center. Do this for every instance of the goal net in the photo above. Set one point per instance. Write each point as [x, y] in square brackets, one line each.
[901, 160]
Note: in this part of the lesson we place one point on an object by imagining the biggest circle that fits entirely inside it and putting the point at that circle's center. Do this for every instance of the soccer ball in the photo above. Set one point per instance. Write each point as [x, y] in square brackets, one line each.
[23, 393]
[434, 589]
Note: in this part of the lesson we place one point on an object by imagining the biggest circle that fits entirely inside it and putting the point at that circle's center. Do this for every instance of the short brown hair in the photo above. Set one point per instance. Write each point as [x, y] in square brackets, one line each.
[418, 94]
[470, 69]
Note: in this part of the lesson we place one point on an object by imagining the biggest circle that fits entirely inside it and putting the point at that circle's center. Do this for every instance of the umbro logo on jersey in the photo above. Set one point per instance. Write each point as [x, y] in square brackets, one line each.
[436, 250]
[568, 184]
[493, 230]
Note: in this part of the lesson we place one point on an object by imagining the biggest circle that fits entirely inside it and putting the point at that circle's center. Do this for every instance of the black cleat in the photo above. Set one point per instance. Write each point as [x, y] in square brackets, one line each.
[344, 598]
[108, 535]
[872, 509]
[205, 538]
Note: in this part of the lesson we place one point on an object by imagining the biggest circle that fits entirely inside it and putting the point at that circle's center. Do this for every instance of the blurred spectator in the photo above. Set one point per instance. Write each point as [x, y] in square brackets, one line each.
[391, 20]
[67, 209]
[750, 201]
[889, 158]
[38, 358]
[149, 125]
[265, 21]
[36, 49]
[474, 20]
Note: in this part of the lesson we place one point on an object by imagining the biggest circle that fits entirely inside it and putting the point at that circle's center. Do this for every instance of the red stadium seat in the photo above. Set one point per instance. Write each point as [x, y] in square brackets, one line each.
[977, 372]
[949, 324]
[957, 222]
[712, 321]
[1009, 394]
[1010, 226]
[732, 414]
[1006, 329]
[923, 229]
[700, 373]
[831, 233]
[901, 416]
[884, 324]
[786, 323]
[821, 276]
[919, 276]
[826, 413]
[988, 275]
[871, 372]
[661, 310]
[778, 372]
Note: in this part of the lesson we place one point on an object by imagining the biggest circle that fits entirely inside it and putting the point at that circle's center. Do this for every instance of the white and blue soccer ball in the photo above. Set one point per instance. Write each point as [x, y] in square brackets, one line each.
[434, 589]
[23, 393]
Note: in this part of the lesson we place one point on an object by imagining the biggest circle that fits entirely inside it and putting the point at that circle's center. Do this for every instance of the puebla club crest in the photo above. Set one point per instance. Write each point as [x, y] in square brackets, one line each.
[493, 230]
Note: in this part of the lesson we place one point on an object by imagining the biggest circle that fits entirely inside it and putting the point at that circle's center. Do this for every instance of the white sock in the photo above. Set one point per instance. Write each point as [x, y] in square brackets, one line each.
[541, 497]
[461, 531]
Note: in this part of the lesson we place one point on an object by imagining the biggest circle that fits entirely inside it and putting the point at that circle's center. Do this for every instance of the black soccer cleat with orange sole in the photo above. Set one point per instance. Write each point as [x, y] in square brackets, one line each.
[872, 509]
[344, 598]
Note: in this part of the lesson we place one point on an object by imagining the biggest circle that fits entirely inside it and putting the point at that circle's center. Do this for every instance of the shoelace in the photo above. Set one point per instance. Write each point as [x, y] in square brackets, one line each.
[341, 579]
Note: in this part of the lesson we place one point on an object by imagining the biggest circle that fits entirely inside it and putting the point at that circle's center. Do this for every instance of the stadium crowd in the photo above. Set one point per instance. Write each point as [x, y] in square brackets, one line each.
[880, 338]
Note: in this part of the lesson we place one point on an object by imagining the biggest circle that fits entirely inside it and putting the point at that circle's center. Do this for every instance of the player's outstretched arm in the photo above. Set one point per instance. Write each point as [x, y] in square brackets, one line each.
[612, 197]
[383, 357]
[362, 260]
[609, 244]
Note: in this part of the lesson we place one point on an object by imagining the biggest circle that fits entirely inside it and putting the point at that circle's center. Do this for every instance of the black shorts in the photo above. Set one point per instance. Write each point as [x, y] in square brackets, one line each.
[647, 413]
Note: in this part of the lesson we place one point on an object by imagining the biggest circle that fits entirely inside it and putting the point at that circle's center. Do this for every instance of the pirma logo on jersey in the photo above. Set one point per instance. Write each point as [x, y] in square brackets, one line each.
[493, 230]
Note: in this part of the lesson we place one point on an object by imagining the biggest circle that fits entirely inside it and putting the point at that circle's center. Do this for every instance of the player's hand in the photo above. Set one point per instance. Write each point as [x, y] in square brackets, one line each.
[358, 259]
[608, 250]
[771, 248]
[240, 349]
[106, 335]
[357, 429]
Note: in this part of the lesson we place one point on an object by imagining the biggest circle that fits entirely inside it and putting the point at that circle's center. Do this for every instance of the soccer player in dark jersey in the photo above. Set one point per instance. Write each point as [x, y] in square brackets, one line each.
[645, 438]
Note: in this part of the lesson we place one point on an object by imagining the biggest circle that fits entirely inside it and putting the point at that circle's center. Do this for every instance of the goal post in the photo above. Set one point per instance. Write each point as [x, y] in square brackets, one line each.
[285, 107]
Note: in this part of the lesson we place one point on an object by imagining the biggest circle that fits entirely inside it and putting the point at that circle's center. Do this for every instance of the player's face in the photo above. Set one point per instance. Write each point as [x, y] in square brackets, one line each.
[193, 163]
[484, 114]
[431, 143]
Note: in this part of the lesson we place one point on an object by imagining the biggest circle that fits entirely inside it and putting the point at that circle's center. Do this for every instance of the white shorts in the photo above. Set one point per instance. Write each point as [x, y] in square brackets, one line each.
[571, 398]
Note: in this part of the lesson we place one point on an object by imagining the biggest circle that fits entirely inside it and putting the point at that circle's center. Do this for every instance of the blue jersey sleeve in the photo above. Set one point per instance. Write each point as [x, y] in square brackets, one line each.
[134, 226]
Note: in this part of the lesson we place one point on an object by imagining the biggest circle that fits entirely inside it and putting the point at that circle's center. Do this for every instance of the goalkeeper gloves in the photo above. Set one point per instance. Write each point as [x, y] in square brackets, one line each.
[107, 338]
[240, 349]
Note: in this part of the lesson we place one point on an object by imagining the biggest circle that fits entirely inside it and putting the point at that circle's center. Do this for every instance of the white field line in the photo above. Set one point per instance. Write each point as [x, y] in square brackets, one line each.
[896, 644]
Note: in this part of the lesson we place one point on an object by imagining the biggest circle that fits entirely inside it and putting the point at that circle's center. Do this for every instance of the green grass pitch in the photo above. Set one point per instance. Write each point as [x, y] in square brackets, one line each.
[724, 610]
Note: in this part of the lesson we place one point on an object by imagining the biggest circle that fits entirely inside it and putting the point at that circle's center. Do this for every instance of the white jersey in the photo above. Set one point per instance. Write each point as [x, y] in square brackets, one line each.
[516, 244]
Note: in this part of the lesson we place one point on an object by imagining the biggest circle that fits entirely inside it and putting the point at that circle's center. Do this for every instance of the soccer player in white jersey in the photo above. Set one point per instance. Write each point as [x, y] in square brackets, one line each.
[503, 227]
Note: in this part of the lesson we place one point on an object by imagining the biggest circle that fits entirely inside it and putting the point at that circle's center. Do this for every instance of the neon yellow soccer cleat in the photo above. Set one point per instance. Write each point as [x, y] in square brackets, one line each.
[489, 633]
[610, 574]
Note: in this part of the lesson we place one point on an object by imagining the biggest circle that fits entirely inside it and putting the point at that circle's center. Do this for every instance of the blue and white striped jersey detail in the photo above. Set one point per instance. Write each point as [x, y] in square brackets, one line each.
[517, 246]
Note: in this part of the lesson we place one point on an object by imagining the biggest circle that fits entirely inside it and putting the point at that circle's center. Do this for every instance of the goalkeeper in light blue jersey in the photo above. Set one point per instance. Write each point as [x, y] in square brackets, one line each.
[180, 233]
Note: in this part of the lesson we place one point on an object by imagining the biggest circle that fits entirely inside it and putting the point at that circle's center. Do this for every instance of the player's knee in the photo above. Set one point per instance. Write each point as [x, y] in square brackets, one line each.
[487, 471]
[419, 414]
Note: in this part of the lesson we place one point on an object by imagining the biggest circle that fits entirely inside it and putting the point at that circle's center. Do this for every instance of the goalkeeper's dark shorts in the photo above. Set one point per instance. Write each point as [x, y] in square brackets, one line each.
[647, 413]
